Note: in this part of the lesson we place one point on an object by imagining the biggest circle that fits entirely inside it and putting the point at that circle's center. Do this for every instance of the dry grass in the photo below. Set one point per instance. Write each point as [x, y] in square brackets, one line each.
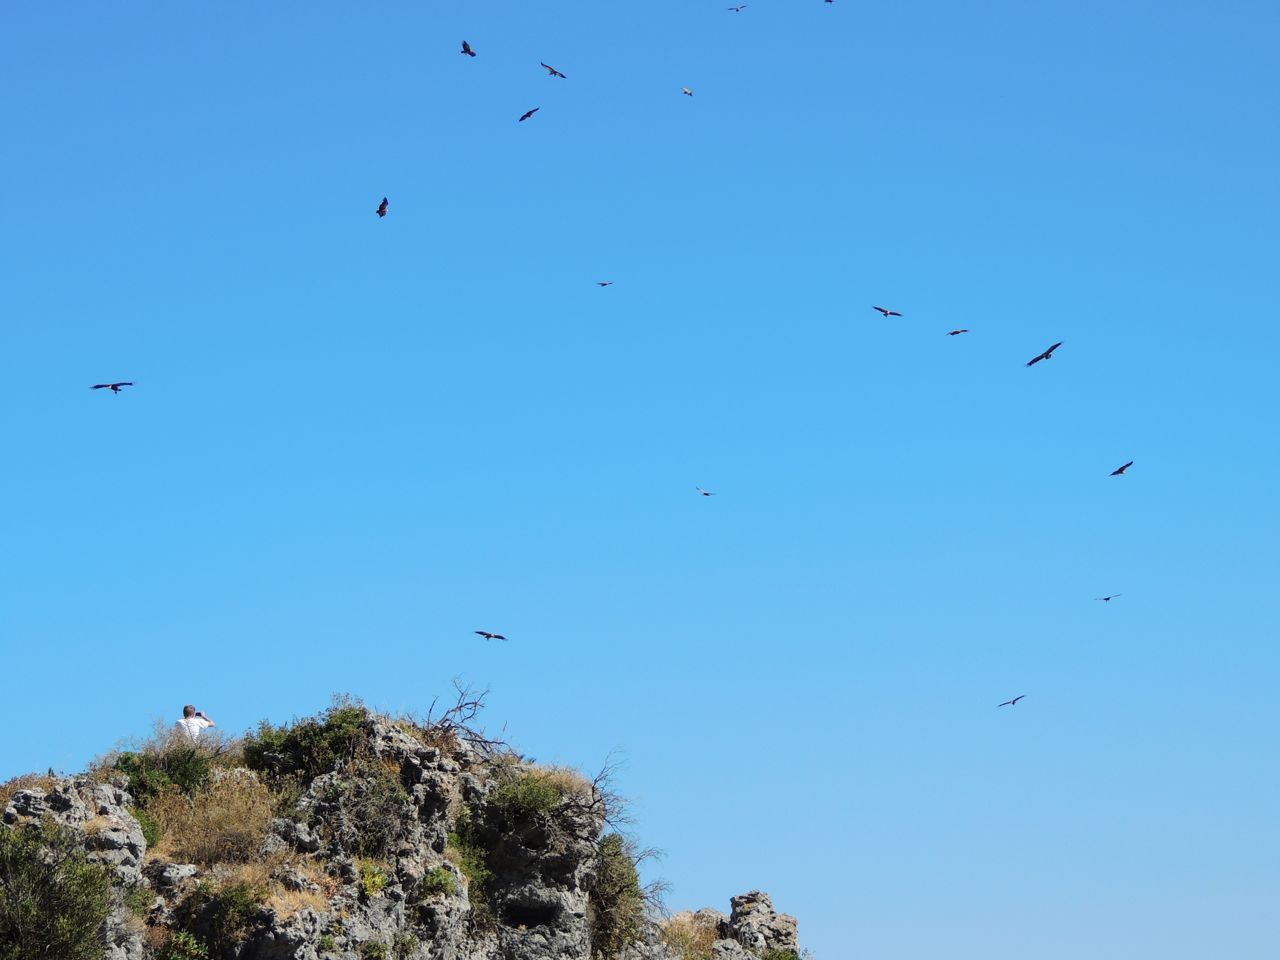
[690, 935]
[225, 823]
[564, 780]
[261, 875]
[28, 781]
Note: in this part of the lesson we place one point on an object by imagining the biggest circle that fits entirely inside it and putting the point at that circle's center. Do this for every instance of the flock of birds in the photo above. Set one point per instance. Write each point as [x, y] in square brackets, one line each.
[383, 207]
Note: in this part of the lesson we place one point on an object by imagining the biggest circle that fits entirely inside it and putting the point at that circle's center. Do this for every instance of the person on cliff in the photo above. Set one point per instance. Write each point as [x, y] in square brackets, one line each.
[192, 723]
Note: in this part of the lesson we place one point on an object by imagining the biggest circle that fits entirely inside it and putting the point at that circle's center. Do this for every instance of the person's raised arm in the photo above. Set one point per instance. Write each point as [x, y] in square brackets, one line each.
[206, 718]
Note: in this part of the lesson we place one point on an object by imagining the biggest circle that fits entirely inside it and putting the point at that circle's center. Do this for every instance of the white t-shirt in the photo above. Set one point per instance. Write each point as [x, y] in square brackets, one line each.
[190, 727]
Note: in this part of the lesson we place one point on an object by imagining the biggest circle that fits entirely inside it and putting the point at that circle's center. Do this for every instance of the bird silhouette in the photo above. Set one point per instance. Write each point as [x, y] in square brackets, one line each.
[525, 116]
[1110, 598]
[739, 8]
[466, 49]
[705, 493]
[604, 283]
[1013, 702]
[382, 208]
[686, 91]
[553, 72]
[113, 387]
[1119, 471]
[1044, 356]
[887, 313]
[490, 636]
[955, 333]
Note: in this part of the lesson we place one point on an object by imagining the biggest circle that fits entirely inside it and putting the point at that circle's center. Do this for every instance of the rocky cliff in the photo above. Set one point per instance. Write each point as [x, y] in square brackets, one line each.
[355, 836]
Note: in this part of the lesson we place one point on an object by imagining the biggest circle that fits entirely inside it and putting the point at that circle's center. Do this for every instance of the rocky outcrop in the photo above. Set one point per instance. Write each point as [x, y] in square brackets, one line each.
[112, 837]
[407, 850]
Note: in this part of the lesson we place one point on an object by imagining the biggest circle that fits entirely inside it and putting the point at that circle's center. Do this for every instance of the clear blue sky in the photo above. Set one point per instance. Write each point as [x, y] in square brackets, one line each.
[353, 441]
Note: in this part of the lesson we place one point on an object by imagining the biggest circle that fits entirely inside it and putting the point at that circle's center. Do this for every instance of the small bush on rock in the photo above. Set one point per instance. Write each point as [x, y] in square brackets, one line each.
[439, 881]
[537, 793]
[152, 832]
[225, 913]
[183, 946]
[466, 853]
[309, 747]
[173, 765]
[373, 879]
[53, 900]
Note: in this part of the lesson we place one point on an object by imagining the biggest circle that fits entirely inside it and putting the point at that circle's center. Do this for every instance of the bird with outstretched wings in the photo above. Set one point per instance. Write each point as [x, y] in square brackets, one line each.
[552, 71]
[739, 8]
[490, 636]
[604, 283]
[1013, 702]
[705, 493]
[466, 49]
[1043, 356]
[382, 208]
[887, 312]
[527, 114]
[113, 387]
[956, 333]
[1119, 471]
[1110, 598]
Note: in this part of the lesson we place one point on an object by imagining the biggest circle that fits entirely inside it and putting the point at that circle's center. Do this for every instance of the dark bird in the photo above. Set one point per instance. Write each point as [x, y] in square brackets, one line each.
[552, 71]
[466, 48]
[1044, 356]
[113, 387]
[490, 636]
[604, 283]
[1119, 471]
[1011, 703]
[888, 313]
[956, 333]
[705, 493]
[686, 91]
[382, 207]
[739, 8]
[1110, 598]
[527, 115]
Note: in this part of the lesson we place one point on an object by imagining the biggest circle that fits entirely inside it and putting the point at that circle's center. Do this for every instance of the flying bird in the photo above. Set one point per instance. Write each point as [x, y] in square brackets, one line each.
[382, 207]
[1013, 702]
[490, 636]
[888, 313]
[113, 387]
[466, 49]
[739, 8]
[1119, 471]
[686, 91]
[553, 72]
[527, 115]
[705, 493]
[1044, 356]
[955, 333]
[604, 283]
[1110, 598]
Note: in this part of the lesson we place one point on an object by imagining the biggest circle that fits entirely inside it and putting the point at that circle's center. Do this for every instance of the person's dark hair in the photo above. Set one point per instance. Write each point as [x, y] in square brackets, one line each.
[188, 711]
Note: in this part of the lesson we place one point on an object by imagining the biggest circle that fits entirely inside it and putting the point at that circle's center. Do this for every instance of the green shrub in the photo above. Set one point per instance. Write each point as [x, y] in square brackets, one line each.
[439, 881]
[53, 900]
[375, 950]
[373, 879]
[780, 955]
[183, 946]
[327, 944]
[466, 852]
[527, 796]
[139, 899]
[152, 772]
[404, 944]
[226, 914]
[152, 832]
[616, 899]
[309, 747]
